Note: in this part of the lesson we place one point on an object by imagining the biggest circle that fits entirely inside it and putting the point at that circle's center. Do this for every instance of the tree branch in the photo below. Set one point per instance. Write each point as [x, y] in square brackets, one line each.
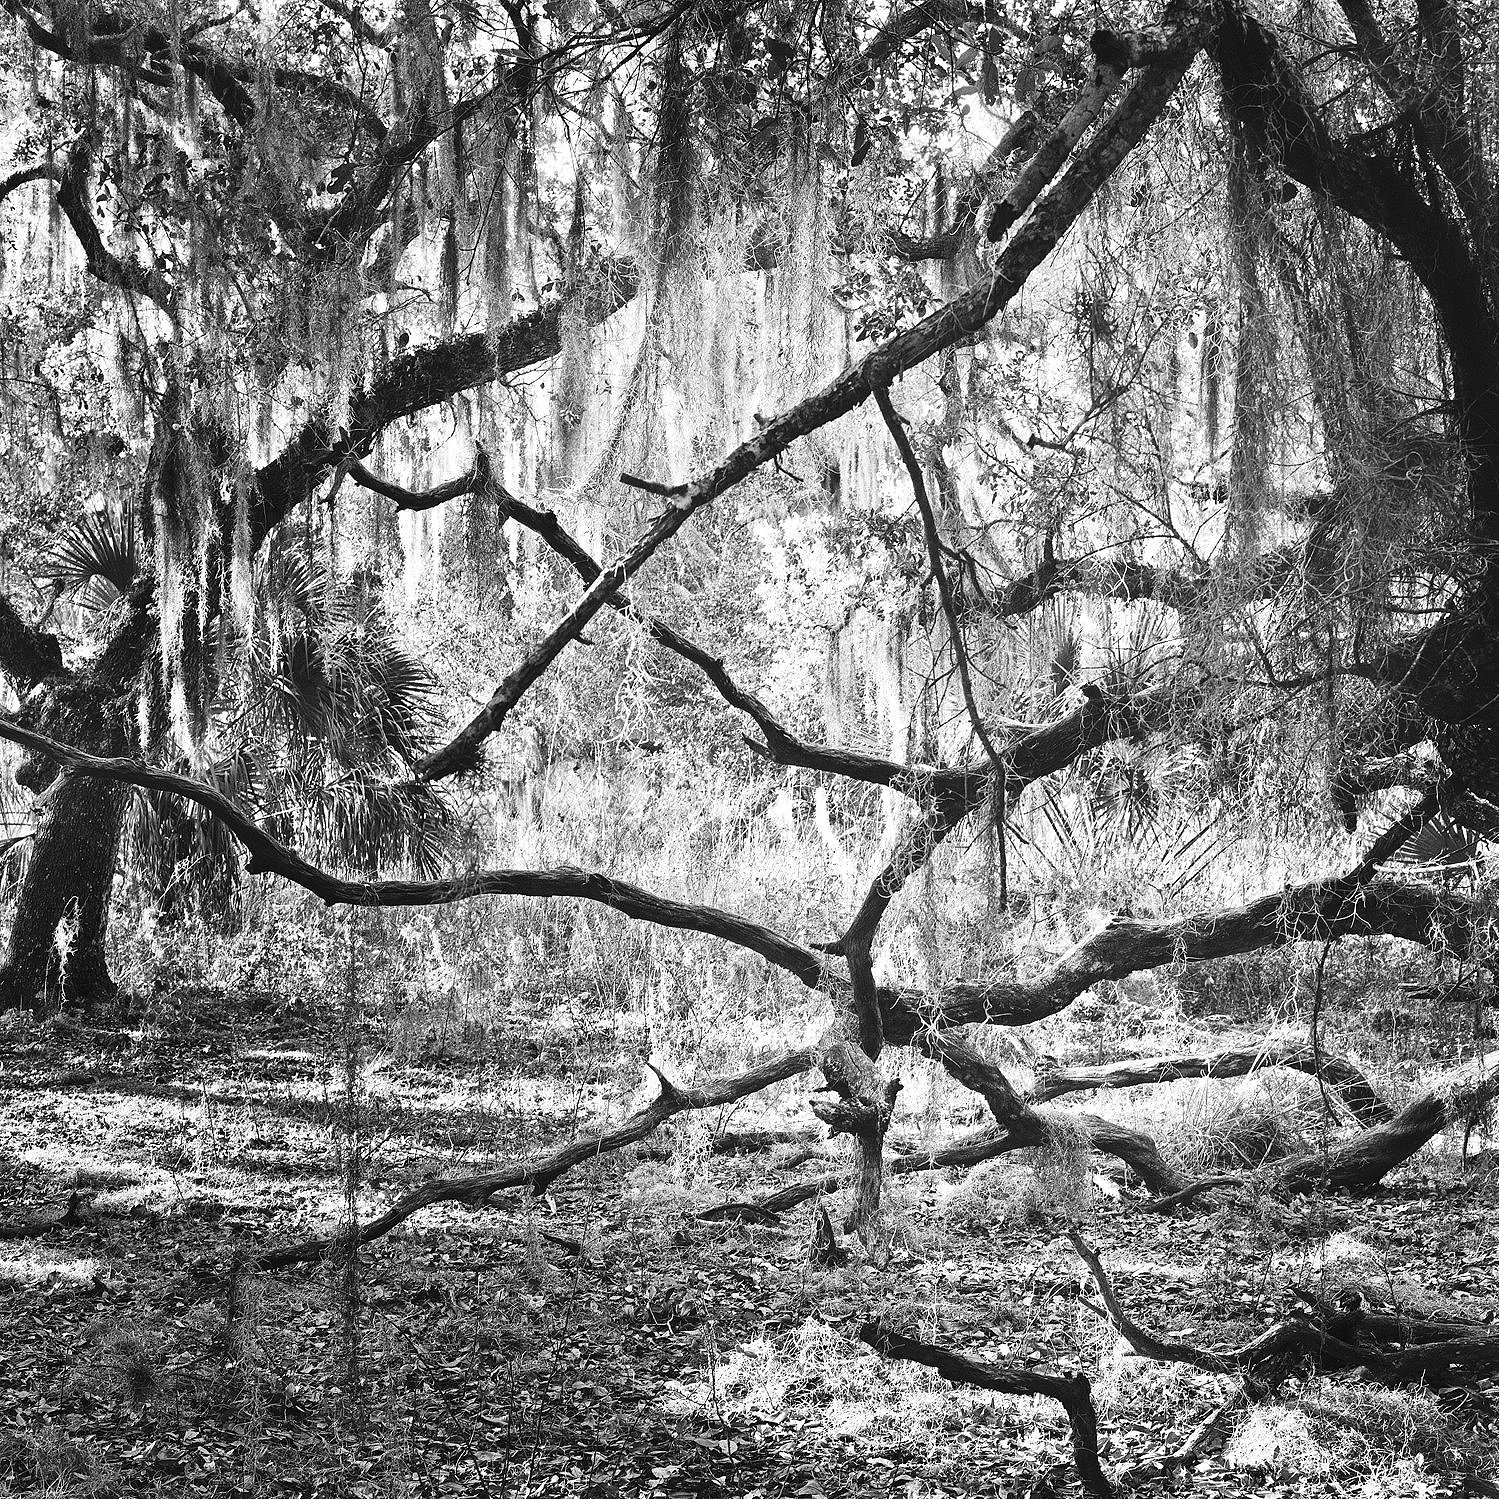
[536, 1176]
[1023, 1125]
[1072, 1392]
[1352, 1087]
[476, 481]
[426, 378]
[956, 320]
[1314, 911]
[268, 855]
[27, 654]
[102, 262]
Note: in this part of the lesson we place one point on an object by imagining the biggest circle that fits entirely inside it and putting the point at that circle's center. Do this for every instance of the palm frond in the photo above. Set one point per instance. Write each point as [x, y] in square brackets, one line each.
[95, 560]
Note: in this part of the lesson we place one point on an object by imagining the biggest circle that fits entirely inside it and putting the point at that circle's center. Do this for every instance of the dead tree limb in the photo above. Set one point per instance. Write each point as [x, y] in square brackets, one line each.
[1370, 1155]
[1073, 1392]
[536, 1176]
[1352, 1087]
[1028, 1127]
[1343, 1336]
[1366, 1158]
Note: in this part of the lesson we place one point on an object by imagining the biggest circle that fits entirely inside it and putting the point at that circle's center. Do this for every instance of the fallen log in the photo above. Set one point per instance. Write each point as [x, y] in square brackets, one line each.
[1350, 1085]
[1368, 1157]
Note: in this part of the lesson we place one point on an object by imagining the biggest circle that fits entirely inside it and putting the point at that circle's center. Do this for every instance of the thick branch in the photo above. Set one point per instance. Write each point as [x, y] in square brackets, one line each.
[1024, 1126]
[1355, 1090]
[1341, 1337]
[1351, 904]
[102, 262]
[27, 654]
[1266, 99]
[1369, 1156]
[426, 378]
[1072, 1392]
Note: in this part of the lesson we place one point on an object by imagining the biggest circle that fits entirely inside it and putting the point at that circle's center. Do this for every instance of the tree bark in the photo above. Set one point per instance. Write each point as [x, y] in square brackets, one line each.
[68, 880]
[1350, 1085]
[70, 872]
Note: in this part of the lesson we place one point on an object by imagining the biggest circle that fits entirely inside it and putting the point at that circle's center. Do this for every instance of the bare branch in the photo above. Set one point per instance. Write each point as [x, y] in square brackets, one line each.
[1072, 1392]
[476, 481]
[1351, 904]
[1026, 1127]
[536, 1176]
[1352, 1087]
[956, 320]
[268, 855]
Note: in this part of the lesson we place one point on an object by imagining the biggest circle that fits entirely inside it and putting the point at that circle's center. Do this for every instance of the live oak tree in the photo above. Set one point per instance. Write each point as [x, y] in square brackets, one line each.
[279, 253]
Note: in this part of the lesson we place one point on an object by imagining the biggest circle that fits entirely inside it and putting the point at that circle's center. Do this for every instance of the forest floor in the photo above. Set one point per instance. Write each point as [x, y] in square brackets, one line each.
[603, 1339]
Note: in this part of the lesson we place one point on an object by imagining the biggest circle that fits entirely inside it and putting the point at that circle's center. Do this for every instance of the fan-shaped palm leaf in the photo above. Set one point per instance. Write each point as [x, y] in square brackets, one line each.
[95, 560]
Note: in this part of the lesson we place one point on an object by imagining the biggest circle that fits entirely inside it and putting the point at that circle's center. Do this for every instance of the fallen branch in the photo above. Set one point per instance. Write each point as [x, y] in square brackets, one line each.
[1344, 1336]
[536, 1176]
[1368, 1157]
[1153, 1469]
[1351, 1086]
[1073, 1392]
[1027, 1127]
[983, 1145]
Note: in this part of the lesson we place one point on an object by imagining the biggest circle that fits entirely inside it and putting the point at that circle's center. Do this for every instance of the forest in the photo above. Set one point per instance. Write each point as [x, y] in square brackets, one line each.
[749, 750]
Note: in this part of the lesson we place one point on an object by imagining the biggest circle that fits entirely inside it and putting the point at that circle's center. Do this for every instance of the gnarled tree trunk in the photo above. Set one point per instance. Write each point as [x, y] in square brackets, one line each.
[66, 890]
[56, 951]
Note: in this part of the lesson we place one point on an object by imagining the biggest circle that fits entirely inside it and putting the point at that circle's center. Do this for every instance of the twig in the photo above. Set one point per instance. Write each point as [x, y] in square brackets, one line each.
[954, 629]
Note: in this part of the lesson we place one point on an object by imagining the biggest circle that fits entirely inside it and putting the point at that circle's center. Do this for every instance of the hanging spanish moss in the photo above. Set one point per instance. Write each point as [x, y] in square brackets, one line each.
[1254, 360]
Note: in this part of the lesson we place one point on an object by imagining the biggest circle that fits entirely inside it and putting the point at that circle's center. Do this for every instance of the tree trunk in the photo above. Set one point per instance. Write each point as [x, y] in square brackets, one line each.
[68, 879]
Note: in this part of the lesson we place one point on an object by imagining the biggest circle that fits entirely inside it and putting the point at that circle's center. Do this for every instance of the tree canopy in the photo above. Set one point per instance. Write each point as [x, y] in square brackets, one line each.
[1038, 440]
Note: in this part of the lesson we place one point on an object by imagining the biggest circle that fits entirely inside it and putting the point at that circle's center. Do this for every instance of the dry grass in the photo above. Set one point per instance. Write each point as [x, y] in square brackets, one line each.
[1380, 1444]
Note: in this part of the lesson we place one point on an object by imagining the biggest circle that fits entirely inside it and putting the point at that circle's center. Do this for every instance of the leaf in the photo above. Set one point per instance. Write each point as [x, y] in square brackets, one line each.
[96, 559]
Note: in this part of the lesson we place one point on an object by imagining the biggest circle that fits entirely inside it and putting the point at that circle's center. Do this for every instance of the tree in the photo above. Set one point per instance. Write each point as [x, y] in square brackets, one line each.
[278, 306]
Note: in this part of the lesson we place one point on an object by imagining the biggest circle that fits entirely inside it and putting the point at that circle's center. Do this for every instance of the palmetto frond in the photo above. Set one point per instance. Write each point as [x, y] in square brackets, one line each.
[370, 823]
[319, 726]
[1442, 846]
[95, 560]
